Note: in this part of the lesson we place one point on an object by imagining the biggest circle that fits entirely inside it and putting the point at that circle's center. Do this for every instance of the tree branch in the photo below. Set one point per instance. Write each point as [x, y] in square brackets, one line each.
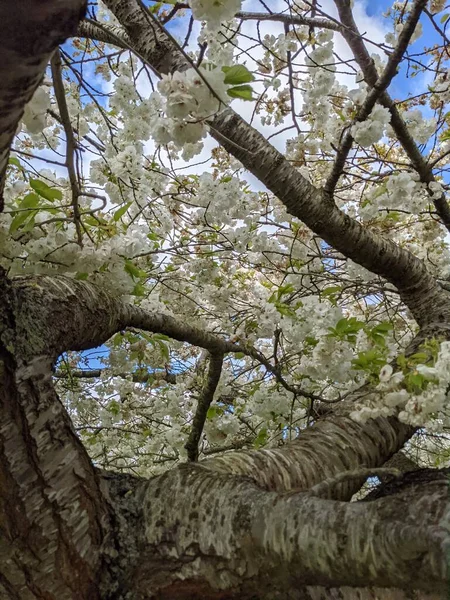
[324, 488]
[71, 145]
[289, 19]
[100, 32]
[265, 542]
[378, 87]
[29, 34]
[416, 286]
[367, 66]
[203, 404]
[136, 377]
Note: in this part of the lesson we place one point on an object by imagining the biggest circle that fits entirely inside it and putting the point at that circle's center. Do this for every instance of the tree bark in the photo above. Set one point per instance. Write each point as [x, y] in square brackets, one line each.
[31, 30]
[238, 526]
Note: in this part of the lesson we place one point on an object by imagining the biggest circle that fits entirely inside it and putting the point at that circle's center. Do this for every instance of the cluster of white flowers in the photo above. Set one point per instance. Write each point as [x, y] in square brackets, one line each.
[391, 38]
[400, 191]
[189, 98]
[321, 68]
[440, 89]
[371, 130]
[428, 406]
[421, 129]
[214, 11]
[437, 5]
[35, 115]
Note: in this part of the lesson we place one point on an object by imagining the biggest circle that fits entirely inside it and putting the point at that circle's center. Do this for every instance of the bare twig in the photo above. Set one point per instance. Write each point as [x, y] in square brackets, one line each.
[378, 87]
[71, 145]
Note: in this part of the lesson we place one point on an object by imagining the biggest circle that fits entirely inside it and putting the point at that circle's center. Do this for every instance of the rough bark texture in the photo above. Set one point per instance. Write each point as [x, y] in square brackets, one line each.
[30, 31]
[239, 526]
[242, 542]
[54, 522]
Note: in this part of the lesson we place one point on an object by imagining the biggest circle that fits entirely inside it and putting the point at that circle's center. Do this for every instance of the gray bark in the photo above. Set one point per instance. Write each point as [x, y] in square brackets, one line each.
[30, 31]
[239, 526]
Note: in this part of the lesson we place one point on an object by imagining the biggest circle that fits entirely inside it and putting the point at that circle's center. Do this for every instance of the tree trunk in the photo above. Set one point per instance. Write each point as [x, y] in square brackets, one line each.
[240, 526]
[225, 535]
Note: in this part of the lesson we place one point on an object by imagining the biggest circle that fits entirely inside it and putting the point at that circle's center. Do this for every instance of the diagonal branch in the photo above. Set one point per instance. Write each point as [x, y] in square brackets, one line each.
[417, 287]
[204, 402]
[367, 66]
[378, 87]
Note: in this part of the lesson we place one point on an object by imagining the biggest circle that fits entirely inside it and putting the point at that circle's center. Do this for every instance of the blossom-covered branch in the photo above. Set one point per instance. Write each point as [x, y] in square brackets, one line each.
[365, 62]
[417, 287]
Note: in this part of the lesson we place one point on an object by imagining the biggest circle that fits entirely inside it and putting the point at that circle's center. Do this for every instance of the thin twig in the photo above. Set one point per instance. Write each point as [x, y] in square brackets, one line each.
[378, 87]
[71, 145]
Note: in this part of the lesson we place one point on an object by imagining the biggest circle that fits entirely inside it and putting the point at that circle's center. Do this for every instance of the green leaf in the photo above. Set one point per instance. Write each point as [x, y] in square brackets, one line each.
[19, 220]
[132, 270]
[237, 74]
[44, 190]
[444, 18]
[31, 202]
[122, 210]
[329, 291]
[212, 412]
[261, 438]
[383, 328]
[138, 290]
[155, 7]
[15, 161]
[164, 350]
[244, 92]
[81, 276]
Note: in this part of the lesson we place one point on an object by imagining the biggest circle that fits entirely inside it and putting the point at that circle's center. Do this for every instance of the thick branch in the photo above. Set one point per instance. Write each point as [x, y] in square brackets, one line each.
[103, 33]
[250, 543]
[30, 31]
[67, 314]
[417, 287]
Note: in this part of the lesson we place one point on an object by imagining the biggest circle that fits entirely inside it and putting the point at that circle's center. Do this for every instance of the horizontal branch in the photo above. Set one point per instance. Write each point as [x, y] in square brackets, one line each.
[136, 377]
[267, 543]
[290, 19]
